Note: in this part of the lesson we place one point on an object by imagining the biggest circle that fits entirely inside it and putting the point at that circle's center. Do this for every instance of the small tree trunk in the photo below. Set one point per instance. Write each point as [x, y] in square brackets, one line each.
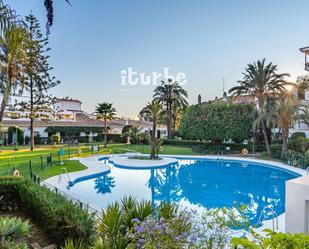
[31, 116]
[266, 139]
[31, 134]
[3, 105]
[153, 137]
[285, 137]
[5, 99]
[169, 120]
[105, 133]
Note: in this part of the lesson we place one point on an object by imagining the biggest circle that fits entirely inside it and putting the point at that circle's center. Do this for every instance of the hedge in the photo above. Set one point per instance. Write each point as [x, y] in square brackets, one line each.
[187, 143]
[233, 148]
[59, 218]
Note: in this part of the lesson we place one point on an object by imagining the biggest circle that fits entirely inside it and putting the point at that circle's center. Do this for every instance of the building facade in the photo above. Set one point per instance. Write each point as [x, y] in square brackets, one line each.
[69, 113]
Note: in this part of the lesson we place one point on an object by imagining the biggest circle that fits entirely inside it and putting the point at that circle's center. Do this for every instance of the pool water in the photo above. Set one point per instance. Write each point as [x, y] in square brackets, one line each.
[192, 183]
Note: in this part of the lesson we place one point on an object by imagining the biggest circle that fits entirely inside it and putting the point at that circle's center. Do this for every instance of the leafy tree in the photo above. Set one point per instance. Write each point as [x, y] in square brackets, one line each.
[262, 81]
[217, 122]
[171, 94]
[37, 75]
[152, 112]
[105, 111]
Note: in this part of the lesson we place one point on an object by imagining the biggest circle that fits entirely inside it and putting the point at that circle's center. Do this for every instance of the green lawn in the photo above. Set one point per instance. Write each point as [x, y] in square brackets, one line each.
[70, 165]
[20, 159]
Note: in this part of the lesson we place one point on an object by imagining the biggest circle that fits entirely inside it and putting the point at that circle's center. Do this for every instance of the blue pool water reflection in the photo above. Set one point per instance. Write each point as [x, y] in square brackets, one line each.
[194, 184]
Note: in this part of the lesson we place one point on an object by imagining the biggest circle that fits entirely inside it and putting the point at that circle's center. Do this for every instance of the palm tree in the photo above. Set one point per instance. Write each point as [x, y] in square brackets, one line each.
[135, 133]
[12, 54]
[287, 111]
[170, 94]
[105, 111]
[262, 81]
[152, 112]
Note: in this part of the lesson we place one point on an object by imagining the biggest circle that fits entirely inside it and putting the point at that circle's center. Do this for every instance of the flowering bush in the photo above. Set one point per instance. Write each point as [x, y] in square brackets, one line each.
[160, 233]
[212, 229]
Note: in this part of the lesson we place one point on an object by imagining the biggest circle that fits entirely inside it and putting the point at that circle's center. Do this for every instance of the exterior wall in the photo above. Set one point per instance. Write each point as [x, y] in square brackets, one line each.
[297, 205]
[39, 130]
[68, 105]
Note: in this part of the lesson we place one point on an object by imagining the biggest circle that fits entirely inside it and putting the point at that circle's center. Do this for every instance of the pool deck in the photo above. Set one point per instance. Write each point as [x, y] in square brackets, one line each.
[94, 166]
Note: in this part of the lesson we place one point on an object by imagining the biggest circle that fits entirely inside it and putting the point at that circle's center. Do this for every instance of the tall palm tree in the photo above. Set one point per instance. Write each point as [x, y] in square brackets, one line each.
[262, 81]
[286, 112]
[105, 111]
[170, 94]
[152, 112]
[12, 54]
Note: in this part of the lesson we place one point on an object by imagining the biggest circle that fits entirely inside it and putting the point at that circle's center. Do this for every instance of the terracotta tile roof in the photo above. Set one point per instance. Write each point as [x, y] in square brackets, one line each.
[82, 120]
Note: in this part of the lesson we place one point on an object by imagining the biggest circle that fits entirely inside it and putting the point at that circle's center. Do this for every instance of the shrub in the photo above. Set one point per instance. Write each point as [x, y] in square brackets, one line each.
[299, 142]
[37, 138]
[218, 122]
[297, 135]
[306, 160]
[272, 240]
[13, 232]
[276, 141]
[188, 143]
[55, 139]
[57, 216]
[12, 132]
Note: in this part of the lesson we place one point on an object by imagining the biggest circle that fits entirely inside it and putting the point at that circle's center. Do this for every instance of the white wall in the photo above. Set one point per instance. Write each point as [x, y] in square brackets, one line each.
[40, 130]
[67, 105]
[297, 205]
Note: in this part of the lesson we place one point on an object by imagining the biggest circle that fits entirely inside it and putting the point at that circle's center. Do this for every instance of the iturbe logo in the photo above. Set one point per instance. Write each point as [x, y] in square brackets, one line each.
[131, 77]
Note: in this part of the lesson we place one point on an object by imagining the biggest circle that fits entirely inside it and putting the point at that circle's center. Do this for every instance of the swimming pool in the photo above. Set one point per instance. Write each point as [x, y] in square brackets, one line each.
[192, 183]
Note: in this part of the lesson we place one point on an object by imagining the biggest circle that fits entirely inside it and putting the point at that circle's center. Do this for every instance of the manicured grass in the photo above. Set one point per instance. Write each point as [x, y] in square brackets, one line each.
[167, 150]
[70, 165]
[20, 159]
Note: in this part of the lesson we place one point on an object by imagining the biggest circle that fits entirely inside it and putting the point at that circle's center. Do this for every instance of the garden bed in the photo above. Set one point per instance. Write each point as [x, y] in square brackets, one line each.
[57, 217]
[36, 235]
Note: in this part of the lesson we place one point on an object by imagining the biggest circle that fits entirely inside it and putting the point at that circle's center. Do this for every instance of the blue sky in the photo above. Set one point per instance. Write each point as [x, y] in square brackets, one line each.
[92, 41]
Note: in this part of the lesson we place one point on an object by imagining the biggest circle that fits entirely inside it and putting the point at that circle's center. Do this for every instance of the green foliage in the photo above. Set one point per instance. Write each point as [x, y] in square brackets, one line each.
[12, 130]
[272, 240]
[118, 219]
[126, 128]
[71, 244]
[173, 98]
[58, 217]
[182, 142]
[156, 146]
[217, 122]
[13, 227]
[72, 130]
[298, 142]
[135, 134]
[306, 160]
[13, 231]
[297, 135]
[55, 139]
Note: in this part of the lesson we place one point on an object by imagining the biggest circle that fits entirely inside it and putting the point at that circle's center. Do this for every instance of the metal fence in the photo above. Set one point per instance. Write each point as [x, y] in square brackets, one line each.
[85, 206]
[37, 164]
